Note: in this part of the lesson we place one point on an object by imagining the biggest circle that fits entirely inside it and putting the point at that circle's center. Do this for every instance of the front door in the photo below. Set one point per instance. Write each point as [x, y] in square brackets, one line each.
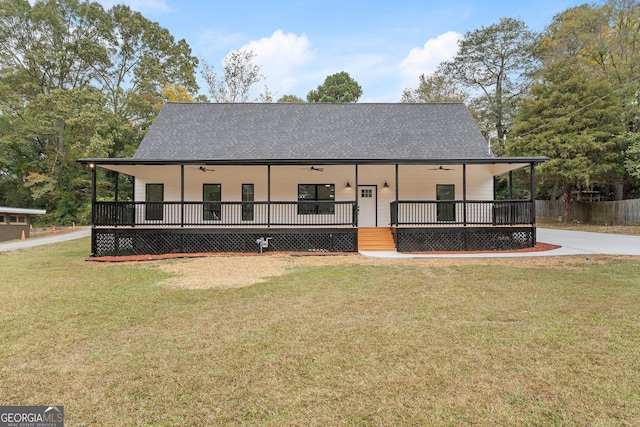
[367, 206]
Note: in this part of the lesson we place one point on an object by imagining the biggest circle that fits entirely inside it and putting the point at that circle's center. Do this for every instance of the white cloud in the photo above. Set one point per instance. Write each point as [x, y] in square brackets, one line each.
[280, 56]
[425, 60]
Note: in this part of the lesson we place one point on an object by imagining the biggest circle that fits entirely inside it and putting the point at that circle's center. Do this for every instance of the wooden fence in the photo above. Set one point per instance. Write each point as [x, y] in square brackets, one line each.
[624, 212]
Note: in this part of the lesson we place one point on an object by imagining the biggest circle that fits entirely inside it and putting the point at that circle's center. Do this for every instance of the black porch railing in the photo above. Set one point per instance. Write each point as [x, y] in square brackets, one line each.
[457, 212]
[225, 214]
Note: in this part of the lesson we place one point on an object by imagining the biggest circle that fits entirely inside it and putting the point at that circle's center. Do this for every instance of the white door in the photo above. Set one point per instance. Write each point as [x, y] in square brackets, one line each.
[367, 206]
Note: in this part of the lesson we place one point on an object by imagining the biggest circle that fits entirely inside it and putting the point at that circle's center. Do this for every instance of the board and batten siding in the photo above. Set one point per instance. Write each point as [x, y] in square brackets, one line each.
[416, 182]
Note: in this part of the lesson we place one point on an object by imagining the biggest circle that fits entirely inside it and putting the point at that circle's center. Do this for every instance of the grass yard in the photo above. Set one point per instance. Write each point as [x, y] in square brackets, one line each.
[322, 340]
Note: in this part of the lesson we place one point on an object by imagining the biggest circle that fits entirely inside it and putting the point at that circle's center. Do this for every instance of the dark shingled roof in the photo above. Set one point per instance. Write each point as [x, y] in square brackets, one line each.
[186, 131]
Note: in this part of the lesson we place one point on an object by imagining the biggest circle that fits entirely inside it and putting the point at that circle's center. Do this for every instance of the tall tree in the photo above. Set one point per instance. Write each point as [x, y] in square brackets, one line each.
[337, 88]
[436, 87]
[602, 41]
[572, 117]
[239, 74]
[76, 81]
[494, 63]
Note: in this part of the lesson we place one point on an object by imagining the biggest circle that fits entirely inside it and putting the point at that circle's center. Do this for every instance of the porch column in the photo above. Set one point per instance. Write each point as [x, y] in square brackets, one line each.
[510, 185]
[357, 210]
[464, 194]
[532, 174]
[181, 195]
[93, 208]
[116, 189]
[397, 194]
[268, 195]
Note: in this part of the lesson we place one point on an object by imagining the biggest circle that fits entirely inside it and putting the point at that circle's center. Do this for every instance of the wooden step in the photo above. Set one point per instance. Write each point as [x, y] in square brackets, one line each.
[375, 239]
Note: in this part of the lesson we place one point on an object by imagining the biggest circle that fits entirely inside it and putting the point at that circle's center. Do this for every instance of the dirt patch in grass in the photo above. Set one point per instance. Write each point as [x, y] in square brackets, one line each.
[240, 271]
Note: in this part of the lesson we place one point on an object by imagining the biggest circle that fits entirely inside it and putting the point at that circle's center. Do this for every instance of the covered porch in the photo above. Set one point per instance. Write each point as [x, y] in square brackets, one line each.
[426, 206]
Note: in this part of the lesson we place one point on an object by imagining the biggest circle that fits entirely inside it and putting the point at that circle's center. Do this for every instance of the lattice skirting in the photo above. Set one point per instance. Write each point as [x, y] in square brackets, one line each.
[463, 239]
[109, 242]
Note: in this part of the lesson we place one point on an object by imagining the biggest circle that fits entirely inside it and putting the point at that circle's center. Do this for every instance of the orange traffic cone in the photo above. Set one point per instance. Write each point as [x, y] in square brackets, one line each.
[54, 231]
[22, 237]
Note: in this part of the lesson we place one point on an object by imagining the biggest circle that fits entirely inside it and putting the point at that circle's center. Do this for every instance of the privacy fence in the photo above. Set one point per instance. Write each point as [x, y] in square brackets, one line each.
[623, 212]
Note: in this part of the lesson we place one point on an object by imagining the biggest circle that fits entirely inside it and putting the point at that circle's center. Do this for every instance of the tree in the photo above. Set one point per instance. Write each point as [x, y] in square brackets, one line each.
[437, 87]
[337, 88]
[572, 117]
[76, 81]
[290, 99]
[239, 74]
[495, 62]
[603, 40]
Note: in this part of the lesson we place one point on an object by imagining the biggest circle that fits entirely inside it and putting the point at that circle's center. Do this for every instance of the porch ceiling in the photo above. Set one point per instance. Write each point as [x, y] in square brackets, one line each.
[498, 165]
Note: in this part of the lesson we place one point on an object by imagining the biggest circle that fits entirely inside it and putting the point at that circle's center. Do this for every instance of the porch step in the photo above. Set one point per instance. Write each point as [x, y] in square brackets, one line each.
[375, 239]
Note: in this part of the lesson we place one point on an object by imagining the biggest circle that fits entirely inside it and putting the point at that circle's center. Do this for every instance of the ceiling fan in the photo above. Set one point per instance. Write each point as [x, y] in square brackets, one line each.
[441, 168]
[313, 168]
[204, 169]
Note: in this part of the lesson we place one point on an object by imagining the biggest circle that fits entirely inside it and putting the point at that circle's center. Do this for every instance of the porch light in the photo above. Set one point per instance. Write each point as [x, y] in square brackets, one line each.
[386, 184]
[91, 165]
[349, 184]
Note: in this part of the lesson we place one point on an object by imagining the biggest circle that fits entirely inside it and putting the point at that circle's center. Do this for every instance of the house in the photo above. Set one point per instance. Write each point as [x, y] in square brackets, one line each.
[16, 222]
[312, 177]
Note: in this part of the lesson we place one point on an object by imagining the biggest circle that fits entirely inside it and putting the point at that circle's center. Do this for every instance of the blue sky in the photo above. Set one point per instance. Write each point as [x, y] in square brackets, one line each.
[383, 45]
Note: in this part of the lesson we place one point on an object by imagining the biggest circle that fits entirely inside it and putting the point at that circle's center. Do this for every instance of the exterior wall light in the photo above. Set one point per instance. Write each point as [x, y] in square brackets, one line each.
[348, 185]
[386, 184]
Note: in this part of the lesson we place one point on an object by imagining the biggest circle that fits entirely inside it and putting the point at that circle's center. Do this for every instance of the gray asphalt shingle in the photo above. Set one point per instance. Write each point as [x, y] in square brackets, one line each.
[199, 131]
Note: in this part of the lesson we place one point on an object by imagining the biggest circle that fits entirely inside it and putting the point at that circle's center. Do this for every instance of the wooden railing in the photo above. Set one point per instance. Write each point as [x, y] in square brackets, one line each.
[224, 214]
[456, 212]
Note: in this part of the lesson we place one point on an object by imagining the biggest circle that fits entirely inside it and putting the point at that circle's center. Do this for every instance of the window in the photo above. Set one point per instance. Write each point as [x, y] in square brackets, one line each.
[446, 211]
[316, 199]
[17, 219]
[2, 219]
[211, 197]
[247, 196]
[154, 198]
[366, 193]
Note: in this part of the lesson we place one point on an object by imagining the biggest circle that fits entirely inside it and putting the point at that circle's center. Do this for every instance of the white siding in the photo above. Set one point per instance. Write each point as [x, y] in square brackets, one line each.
[415, 182]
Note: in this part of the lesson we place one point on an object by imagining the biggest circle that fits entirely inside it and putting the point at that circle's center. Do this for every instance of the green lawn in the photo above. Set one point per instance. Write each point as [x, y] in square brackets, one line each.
[520, 343]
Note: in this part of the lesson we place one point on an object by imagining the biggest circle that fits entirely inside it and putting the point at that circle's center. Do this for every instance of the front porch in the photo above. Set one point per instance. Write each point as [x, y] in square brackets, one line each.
[178, 207]
[137, 228]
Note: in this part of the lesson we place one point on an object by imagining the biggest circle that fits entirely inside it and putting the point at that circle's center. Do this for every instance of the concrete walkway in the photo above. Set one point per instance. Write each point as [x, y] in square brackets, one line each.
[31, 242]
[570, 242]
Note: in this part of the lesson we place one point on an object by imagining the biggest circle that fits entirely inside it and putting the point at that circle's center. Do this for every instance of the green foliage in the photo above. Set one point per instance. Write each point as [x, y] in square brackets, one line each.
[290, 99]
[495, 62]
[580, 142]
[77, 81]
[337, 88]
[437, 87]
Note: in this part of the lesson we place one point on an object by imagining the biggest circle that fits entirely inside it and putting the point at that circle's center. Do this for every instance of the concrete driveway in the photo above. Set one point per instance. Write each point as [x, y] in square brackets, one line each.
[13, 245]
[570, 242]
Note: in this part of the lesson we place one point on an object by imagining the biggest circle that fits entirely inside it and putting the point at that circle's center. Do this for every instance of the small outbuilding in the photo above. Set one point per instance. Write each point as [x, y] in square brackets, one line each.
[16, 221]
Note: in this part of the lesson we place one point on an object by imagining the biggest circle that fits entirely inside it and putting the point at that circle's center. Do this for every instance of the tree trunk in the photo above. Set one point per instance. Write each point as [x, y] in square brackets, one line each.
[567, 202]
